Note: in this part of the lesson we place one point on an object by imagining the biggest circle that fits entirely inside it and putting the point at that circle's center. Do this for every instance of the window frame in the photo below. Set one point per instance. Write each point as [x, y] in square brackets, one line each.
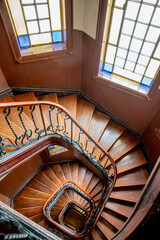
[95, 73]
[4, 14]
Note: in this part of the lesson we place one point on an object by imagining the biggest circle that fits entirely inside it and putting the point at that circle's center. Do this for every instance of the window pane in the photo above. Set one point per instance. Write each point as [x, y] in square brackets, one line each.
[157, 52]
[110, 54]
[145, 13]
[120, 3]
[42, 11]
[41, 1]
[147, 48]
[136, 45]
[44, 25]
[115, 27]
[132, 56]
[127, 74]
[119, 62]
[18, 18]
[124, 41]
[41, 38]
[129, 11]
[27, 1]
[30, 12]
[140, 69]
[143, 60]
[153, 34]
[156, 17]
[32, 27]
[128, 27]
[130, 65]
[140, 30]
[55, 14]
[152, 68]
[121, 53]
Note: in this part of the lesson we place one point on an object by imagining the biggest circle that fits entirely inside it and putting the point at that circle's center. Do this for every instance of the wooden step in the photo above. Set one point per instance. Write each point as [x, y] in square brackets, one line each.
[113, 219]
[130, 194]
[29, 192]
[84, 115]
[47, 170]
[132, 160]
[41, 177]
[30, 211]
[27, 111]
[106, 229]
[96, 234]
[66, 170]
[111, 134]
[43, 223]
[92, 184]
[35, 184]
[74, 172]
[58, 171]
[120, 207]
[123, 145]
[87, 179]
[135, 177]
[70, 103]
[24, 202]
[37, 218]
[81, 175]
[50, 98]
[98, 188]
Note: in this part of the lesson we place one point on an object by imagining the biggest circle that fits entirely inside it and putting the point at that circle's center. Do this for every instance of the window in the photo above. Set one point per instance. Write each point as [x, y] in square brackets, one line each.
[38, 26]
[130, 53]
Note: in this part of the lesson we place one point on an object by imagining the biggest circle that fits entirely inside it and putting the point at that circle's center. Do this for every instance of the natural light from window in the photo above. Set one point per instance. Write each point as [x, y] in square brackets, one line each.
[131, 43]
[37, 22]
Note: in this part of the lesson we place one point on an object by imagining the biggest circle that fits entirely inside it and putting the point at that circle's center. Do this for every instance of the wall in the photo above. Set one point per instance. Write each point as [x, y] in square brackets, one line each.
[151, 140]
[14, 180]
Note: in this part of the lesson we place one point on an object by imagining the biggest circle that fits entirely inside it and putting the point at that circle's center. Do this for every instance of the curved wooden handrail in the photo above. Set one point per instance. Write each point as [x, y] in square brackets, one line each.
[47, 103]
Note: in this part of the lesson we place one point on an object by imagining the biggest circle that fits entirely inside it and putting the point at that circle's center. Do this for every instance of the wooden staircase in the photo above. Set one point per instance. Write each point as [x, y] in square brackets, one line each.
[123, 147]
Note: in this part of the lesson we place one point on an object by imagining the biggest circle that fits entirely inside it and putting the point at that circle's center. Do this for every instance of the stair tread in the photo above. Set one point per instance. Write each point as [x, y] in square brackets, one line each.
[87, 179]
[123, 145]
[119, 207]
[81, 175]
[111, 134]
[96, 189]
[47, 170]
[50, 98]
[74, 171]
[36, 113]
[33, 193]
[113, 220]
[30, 211]
[41, 177]
[135, 177]
[66, 170]
[97, 125]
[70, 103]
[126, 194]
[35, 184]
[105, 229]
[37, 218]
[96, 235]
[24, 202]
[92, 184]
[58, 171]
[131, 161]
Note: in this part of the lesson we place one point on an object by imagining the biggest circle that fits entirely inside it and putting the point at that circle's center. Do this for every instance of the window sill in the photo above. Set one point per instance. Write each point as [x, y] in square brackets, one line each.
[43, 52]
[123, 84]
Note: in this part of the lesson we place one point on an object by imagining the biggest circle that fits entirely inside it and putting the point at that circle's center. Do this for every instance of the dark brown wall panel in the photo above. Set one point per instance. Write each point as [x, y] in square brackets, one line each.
[132, 110]
[56, 73]
[14, 180]
[151, 140]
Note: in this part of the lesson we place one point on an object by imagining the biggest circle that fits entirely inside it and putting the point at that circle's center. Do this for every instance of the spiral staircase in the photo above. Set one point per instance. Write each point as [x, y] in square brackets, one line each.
[72, 182]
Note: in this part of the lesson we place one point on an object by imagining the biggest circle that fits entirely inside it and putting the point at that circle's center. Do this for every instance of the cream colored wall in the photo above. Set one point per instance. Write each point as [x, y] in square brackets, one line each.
[85, 14]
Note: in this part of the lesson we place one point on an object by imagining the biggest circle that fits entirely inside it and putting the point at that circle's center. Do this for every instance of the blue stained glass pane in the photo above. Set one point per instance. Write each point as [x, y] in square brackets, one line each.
[108, 67]
[57, 36]
[146, 81]
[24, 41]
[144, 88]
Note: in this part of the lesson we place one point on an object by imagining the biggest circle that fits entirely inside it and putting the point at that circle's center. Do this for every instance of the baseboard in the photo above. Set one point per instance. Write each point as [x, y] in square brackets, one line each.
[7, 92]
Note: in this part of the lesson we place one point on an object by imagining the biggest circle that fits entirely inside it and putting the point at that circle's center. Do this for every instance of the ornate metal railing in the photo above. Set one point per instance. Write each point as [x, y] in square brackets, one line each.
[38, 120]
[49, 205]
